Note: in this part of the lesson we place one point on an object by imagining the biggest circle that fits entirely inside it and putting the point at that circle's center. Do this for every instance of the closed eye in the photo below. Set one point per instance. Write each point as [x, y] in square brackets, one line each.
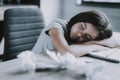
[89, 37]
[82, 27]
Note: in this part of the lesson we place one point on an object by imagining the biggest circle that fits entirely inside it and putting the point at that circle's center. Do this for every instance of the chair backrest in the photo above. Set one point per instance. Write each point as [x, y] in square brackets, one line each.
[22, 26]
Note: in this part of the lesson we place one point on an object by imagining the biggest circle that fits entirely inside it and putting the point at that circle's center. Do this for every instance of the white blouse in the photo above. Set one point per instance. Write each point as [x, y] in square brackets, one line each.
[44, 41]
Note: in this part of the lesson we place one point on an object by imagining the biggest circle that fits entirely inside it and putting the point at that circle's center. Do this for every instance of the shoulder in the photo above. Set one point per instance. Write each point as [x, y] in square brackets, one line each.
[57, 23]
[60, 22]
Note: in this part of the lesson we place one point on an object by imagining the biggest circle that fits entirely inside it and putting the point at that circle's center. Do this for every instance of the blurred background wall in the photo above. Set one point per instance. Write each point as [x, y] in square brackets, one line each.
[51, 9]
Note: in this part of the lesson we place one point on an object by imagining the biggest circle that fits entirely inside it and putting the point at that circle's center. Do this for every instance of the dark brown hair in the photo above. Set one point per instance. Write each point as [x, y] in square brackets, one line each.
[97, 18]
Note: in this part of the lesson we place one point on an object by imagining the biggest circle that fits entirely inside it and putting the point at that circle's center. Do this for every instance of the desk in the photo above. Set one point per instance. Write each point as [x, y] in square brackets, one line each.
[9, 71]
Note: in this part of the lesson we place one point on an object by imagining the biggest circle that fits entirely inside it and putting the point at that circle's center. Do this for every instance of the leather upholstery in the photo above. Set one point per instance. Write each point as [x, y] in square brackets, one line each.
[22, 26]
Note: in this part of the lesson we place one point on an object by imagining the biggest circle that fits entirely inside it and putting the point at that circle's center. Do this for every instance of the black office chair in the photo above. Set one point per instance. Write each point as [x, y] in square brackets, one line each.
[22, 26]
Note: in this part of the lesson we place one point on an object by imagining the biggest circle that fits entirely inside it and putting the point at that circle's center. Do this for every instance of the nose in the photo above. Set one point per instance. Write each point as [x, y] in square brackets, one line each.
[80, 35]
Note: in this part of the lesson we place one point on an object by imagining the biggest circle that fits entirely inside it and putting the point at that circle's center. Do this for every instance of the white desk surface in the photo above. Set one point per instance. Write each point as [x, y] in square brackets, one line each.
[9, 71]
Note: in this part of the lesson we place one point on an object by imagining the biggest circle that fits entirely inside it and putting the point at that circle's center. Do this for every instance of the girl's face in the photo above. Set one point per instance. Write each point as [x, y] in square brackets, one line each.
[82, 32]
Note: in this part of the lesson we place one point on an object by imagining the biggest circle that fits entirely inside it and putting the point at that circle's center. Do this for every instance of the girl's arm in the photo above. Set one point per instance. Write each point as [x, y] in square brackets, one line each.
[78, 50]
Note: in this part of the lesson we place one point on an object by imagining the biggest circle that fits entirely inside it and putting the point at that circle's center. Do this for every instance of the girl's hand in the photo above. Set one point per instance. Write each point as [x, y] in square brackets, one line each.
[111, 43]
[98, 48]
[80, 50]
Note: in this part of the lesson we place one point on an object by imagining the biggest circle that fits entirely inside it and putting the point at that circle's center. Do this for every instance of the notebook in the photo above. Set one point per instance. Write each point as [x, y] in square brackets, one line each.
[112, 55]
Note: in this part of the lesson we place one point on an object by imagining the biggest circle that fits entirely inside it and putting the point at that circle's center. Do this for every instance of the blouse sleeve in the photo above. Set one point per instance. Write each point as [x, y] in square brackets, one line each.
[58, 23]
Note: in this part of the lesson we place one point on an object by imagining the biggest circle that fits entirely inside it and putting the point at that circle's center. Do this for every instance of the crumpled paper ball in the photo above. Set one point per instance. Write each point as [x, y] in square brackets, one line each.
[27, 61]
